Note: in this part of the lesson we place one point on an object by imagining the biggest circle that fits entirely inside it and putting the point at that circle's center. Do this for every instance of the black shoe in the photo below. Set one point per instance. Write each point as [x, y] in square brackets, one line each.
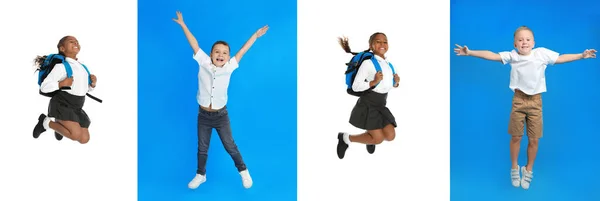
[341, 146]
[371, 148]
[58, 136]
[39, 127]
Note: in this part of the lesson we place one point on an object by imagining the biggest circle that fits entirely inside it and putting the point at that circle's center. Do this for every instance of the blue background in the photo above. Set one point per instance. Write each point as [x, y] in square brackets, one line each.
[262, 100]
[566, 167]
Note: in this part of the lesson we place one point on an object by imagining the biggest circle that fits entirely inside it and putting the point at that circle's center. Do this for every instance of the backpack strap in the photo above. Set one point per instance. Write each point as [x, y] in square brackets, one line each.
[90, 82]
[68, 68]
[393, 72]
[88, 72]
[377, 66]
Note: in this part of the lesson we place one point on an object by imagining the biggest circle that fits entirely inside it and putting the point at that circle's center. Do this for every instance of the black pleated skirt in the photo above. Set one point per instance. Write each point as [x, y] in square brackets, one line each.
[371, 113]
[67, 107]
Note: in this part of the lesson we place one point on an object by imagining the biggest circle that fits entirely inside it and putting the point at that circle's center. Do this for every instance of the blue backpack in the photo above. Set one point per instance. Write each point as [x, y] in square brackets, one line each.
[354, 65]
[49, 63]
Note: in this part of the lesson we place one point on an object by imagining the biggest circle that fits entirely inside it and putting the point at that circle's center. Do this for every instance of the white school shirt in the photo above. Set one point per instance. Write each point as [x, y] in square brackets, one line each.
[527, 73]
[213, 81]
[80, 85]
[367, 72]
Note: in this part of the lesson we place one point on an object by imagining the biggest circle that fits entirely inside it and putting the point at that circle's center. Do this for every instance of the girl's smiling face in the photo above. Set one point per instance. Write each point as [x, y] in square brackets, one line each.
[70, 47]
[379, 45]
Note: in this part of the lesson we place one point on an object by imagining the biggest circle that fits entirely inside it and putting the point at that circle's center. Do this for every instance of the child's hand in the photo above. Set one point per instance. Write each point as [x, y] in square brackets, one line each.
[94, 79]
[397, 79]
[461, 51]
[262, 31]
[179, 19]
[378, 77]
[589, 53]
[66, 83]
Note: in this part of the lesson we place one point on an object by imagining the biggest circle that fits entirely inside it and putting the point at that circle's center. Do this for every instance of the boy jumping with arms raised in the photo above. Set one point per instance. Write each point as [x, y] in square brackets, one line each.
[528, 82]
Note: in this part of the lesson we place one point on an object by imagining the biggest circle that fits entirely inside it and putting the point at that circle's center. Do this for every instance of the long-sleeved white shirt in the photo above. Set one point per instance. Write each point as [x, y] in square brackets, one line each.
[80, 84]
[367, 72]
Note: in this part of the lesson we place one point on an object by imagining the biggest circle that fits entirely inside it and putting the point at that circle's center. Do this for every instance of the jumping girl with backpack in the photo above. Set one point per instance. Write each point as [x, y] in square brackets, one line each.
[67, 82]
[370, 80]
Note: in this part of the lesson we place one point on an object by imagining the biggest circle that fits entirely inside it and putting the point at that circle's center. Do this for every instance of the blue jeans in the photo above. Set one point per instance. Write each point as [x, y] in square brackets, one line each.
[218, 120]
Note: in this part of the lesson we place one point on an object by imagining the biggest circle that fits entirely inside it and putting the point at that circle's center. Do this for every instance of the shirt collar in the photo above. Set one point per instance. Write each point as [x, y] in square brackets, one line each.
[70, 60]
[380, 58]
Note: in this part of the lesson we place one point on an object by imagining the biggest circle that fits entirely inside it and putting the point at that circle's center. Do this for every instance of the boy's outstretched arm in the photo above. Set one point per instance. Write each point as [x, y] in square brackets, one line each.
[573, 57]
[484, 54]
[188, 34]
[248, 44]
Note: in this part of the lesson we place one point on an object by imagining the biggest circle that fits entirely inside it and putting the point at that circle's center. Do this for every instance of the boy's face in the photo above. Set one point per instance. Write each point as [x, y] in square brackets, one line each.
[380, 45]
[220, 55]
[524, 42]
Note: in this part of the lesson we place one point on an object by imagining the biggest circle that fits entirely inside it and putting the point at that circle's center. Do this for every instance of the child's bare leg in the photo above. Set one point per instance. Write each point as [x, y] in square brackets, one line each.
[532, 149]
[59, 128]
[369, 137]
[389, 132]
[515, 146]
[85, 136]
[74, 130]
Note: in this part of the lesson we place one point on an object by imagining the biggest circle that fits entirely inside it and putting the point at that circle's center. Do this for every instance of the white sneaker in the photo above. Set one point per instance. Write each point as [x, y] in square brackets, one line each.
[515, 177]
[246, 179]
[527, 176]
[199, 179]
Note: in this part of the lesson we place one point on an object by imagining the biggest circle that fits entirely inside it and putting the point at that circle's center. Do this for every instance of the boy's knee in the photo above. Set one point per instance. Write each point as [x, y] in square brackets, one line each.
[231, 147]
[516, 138]
[533, 140]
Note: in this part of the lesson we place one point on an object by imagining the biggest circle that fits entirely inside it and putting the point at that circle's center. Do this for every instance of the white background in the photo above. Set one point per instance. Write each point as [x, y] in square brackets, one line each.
[47, 169]
[416, 166]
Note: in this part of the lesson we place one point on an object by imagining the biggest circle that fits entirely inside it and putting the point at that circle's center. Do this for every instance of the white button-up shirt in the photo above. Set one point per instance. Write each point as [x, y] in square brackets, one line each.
[367, 72]
[80, 85]
[527, 73]
[213, 81]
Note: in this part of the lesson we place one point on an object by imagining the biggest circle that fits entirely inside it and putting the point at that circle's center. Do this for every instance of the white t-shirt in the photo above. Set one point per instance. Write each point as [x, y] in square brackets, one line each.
[80, 85]
[213, 81]
[528, 73]
[367, 72]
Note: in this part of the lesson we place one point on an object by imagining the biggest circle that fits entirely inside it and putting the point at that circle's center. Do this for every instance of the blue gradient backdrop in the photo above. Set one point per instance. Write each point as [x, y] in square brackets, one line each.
[567, 161]
[262, 100]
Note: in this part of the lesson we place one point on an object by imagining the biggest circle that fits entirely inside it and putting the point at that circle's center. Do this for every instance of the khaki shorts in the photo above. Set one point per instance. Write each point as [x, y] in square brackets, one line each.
[526, 110]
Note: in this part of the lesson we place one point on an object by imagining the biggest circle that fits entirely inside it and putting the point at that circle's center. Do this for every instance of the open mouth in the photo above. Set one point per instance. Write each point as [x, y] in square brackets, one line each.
[220, 59]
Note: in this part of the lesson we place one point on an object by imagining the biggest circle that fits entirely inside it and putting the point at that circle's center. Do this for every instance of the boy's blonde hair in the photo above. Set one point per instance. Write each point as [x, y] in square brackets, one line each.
[521, 28]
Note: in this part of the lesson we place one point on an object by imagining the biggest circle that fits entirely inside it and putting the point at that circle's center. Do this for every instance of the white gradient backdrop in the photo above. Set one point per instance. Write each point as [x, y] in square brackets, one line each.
[416, 166]
[47, 169]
